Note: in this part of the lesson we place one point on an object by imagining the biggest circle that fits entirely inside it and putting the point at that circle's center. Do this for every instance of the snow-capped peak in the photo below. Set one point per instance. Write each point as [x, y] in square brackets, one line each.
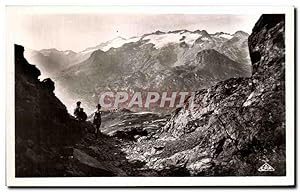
[118, 42]
[114, 43]
[226, 36]
[161, 40]
[241, 34]
[223, 35]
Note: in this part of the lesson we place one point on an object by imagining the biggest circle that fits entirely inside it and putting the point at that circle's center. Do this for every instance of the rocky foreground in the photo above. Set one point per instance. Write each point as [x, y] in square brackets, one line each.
[232, 128]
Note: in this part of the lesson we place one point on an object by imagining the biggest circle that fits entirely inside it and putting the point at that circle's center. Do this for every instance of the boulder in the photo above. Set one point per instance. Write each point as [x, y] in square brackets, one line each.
[92, 167]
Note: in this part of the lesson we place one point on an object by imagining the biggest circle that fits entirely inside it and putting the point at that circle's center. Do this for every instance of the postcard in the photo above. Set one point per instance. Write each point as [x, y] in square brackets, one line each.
[150, 96]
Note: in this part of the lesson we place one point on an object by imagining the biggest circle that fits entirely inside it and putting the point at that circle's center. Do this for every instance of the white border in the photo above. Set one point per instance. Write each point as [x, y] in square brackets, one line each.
[164, 181]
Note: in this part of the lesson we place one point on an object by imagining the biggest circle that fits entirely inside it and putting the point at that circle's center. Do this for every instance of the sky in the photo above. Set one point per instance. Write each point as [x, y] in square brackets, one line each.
[78, 31]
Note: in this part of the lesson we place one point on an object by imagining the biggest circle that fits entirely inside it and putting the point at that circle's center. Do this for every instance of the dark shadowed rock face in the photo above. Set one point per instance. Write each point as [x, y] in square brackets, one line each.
[237, 125]
[42, 121]
[37, 108]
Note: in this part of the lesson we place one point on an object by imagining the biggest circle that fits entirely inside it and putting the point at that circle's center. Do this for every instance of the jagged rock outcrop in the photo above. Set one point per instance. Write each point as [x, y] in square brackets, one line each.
[235, 126]
[40, 116]
[42, 123]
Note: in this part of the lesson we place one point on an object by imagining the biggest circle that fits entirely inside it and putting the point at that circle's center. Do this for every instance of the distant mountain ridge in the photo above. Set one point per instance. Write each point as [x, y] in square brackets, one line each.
[52, 61]
[66, 58]
[158, 61]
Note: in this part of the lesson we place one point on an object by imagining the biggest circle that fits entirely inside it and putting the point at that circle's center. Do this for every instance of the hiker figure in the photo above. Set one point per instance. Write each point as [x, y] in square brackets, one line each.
[97, 120]
[81, 115]
[77, 109]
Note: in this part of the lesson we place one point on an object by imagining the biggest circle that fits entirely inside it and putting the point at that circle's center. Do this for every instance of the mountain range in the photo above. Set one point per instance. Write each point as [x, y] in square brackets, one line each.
[179, 60]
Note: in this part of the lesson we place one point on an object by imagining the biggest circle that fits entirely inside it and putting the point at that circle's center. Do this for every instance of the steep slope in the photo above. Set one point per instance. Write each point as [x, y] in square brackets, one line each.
[50, 142]
[41, 119]
[231, 128]
[236, 47]
[220, 66]
[36, 104]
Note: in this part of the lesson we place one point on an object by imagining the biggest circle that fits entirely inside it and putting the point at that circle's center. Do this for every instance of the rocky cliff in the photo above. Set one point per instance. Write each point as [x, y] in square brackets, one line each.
[42, 125]
[234, 127]
[37, 108]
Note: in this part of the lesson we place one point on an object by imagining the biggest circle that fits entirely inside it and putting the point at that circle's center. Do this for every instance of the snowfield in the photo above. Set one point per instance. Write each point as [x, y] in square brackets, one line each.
[119, 42]
[162, 40]
[158, 40]
[226, 36]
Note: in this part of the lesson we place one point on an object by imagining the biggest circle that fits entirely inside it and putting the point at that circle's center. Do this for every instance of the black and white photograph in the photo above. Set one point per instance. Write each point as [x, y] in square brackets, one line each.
[150, 93]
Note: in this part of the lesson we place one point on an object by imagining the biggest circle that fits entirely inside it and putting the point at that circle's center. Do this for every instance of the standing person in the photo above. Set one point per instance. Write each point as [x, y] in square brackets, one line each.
[77, 110]
[82, 115]
[97, 120]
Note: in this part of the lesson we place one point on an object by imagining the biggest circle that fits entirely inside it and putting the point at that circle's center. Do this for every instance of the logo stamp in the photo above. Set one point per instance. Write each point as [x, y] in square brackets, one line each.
[266, 167]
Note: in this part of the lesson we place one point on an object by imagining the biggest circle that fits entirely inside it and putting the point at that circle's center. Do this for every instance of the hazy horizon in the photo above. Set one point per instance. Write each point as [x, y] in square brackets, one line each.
[79, 31]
